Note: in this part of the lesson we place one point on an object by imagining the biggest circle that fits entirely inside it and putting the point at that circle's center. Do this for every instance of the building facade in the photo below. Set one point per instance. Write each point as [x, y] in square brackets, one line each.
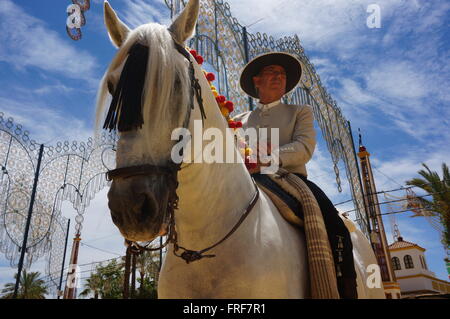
[411, 271]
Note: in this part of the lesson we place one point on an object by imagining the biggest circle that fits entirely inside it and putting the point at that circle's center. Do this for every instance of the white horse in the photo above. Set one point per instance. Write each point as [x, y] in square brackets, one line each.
[266, 256]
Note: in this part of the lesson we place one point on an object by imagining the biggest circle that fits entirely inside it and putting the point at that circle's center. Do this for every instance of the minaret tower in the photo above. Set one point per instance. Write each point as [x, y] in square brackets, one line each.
[378, 235]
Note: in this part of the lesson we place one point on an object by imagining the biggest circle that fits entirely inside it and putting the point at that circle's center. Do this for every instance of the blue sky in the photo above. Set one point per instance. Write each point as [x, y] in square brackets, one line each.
[392, 82]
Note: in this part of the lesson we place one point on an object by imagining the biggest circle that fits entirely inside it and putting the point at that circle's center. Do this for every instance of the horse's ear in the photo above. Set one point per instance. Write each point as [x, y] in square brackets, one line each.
[183, 27]
[117, 30]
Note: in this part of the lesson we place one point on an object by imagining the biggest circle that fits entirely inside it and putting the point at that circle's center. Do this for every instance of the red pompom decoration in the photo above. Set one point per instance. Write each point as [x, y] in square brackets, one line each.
[248, 164]
[232, 125]
[194, 53]
[199, 59]
[220, 99]
[210, 77]
[230, 106]
[238, 124]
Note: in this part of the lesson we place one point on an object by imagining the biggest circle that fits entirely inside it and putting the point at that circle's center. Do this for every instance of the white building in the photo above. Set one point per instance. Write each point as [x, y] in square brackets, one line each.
[411, 270]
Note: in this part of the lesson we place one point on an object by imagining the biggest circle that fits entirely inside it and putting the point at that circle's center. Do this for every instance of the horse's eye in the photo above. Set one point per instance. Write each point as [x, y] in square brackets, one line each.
[110, 88]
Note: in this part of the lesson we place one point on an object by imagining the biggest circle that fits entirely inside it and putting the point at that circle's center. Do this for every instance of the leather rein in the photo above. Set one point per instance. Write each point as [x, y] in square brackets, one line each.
[171, 171]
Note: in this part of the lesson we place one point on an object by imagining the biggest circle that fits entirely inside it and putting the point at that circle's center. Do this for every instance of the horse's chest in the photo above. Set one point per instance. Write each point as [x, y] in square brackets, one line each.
[232, 277]
[203, 279]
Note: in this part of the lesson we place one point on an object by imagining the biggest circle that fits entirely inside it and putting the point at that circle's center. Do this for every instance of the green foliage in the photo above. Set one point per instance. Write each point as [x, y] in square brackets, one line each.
[147, 264]
[30, 287]
[107, 282]
[93, 285]
[440, 191]
[147, 290]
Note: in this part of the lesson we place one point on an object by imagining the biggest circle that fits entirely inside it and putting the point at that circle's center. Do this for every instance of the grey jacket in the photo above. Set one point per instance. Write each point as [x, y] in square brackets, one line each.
[296, 129]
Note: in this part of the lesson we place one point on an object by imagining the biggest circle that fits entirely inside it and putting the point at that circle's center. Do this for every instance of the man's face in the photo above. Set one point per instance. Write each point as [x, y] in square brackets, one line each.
[271, 82]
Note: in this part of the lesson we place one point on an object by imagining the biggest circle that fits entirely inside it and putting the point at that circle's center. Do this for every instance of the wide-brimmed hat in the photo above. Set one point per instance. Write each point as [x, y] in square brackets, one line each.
[290, 64]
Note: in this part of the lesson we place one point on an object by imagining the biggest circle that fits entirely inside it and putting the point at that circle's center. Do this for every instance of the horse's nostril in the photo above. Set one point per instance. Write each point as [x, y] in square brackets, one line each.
[147, 208]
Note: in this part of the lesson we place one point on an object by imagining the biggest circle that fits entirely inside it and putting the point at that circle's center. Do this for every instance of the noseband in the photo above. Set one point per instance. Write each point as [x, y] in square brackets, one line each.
[171, 171]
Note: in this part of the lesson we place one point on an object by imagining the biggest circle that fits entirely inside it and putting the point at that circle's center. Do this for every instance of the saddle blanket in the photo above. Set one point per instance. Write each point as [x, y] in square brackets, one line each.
[320, 258]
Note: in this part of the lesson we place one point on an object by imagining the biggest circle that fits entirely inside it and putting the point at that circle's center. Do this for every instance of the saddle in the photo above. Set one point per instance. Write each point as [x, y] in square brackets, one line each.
[283, 206]
[285, 210]
[320, 258]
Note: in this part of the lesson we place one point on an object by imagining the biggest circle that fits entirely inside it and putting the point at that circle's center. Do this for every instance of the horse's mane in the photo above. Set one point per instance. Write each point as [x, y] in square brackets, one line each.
[167, 80]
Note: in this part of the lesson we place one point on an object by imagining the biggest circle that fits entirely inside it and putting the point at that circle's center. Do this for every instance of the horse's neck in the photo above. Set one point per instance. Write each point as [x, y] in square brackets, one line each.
[212, 196]
[212, 199]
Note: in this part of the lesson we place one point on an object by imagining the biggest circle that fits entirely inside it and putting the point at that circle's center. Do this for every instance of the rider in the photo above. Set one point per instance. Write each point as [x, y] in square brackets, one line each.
[268, 78]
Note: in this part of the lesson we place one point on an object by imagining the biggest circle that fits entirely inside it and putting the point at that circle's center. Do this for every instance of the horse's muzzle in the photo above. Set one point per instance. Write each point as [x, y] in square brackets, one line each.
[139, 207]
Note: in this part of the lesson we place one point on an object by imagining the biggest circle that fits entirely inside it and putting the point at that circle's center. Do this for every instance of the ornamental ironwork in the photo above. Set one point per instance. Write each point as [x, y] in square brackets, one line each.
[69, 171]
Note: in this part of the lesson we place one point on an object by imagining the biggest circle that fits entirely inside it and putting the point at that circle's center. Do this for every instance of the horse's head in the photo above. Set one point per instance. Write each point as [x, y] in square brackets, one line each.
[149, 81]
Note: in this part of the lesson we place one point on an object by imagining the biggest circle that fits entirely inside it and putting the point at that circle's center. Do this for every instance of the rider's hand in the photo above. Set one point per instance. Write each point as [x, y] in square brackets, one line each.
[257, 168]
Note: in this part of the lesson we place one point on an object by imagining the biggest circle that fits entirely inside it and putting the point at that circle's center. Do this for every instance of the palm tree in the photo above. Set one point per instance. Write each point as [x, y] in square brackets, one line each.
[106, 282]
[93, 285]
[148, 267]
[440, 190]
[30, 287]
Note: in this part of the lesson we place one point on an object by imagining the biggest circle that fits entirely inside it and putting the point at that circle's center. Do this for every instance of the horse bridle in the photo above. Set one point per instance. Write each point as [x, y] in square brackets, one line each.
[171, 171]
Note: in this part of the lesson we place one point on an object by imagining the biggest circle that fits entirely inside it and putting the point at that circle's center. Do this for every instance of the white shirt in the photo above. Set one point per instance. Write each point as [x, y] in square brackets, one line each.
[265, 107]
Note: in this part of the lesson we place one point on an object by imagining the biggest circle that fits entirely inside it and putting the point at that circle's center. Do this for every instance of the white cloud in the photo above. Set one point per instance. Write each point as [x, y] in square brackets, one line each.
[7, 275]
[45, 123]
[353, 93]
[47, 89]
[415, 17]
[398, 80]
[367, 69]
[407, 96]
[316, 22]
[406, 163]
[322, 25]
[138, 12]
[27, 42]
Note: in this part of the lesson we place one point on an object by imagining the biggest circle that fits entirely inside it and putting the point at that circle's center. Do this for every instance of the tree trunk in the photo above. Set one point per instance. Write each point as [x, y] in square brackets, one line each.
[141, 287]
[133, 272]
[126, 284]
